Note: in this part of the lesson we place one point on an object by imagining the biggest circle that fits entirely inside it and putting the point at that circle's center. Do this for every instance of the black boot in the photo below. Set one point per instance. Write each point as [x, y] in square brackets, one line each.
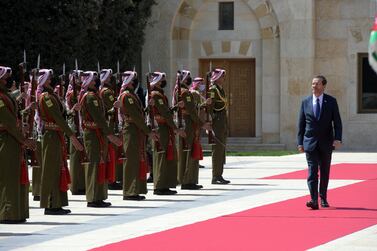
[219, 181]
[56, 211]
[12, 221]
[134, 197]
[115, 186]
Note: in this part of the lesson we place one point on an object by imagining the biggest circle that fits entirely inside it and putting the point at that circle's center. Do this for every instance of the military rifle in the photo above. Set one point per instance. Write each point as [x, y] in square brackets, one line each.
[76, 119]
[33, 98]
[208, 81]
[118, 82]
[22, 69]
[150, 108]
[179, 111]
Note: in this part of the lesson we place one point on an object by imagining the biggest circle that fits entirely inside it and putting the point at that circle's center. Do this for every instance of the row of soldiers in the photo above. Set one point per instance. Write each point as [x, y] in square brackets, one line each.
[109, 132]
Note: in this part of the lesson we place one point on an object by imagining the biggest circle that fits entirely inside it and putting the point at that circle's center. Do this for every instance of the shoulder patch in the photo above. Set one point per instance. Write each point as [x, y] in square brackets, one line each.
[212, 95]
[160, 101]
[95, 102]
[49, 103]
[188, 98]
[1, 104]
[111, 98]
[130, 100]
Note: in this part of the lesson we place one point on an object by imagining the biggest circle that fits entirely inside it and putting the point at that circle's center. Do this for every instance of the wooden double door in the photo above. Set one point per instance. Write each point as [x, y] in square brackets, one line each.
[240, 90]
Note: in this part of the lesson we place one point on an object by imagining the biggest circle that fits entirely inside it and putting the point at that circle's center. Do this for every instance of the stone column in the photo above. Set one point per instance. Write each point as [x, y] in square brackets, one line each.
[296, 22]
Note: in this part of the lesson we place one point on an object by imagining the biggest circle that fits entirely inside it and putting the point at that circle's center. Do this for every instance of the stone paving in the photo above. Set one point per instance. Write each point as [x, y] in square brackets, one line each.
[87, 228]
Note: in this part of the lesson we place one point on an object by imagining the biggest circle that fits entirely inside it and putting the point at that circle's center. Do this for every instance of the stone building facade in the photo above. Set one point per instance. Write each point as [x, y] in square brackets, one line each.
[282, 44]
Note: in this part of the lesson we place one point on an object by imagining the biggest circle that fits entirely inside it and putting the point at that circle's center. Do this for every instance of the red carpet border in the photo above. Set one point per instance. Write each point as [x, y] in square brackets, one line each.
[285, 225]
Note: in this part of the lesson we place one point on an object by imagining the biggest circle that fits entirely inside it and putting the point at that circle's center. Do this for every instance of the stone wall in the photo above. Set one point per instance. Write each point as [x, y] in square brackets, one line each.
[291, 40]
[342, 31]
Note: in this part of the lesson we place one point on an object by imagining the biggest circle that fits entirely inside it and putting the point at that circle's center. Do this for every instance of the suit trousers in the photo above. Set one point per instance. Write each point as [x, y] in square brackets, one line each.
[318, 159]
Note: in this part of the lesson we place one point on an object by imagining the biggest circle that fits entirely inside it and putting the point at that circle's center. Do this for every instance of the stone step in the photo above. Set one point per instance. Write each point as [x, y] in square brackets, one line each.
[239, 144]
[238, 140]
[248, 147]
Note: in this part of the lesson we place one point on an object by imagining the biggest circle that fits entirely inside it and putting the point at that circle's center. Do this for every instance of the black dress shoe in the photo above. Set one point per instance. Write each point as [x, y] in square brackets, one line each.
[12, 221]
[219, 181]
[56, 211]
[37, 198]
[79, 192]
[134, 197]
[99, 203]
[164, 192]
[115, 186]
[312, 204]
[324, 203]
[191, 187]
[105, 204]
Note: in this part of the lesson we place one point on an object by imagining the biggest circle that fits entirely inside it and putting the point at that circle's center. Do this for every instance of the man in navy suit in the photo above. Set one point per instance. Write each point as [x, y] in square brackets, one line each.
[319, 133]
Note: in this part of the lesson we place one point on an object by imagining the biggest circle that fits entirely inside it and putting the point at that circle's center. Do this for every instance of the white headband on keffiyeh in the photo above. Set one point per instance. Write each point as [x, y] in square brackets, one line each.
[44, 75]
[157, 77]
[127, 78]
[77, 72]
[105, 73]
[4, 70]
[87, 77]
[184, 74]
[217, 73]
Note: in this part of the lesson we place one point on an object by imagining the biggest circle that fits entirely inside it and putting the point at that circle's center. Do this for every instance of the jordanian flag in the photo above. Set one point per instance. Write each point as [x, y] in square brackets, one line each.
[373, 46]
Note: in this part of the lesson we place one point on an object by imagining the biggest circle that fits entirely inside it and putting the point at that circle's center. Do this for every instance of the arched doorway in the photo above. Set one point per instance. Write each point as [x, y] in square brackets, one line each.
[196, 38]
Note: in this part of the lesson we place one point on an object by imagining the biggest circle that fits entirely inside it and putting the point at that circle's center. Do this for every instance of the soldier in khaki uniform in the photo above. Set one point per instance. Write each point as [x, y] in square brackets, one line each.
[96, 131]
[135, 131]
[218, 110]
[197, 89]
[37, 165]
[14, 183]
[189, 147]
[76, 167]
[55, 174]
[165, 154]
[108, 96]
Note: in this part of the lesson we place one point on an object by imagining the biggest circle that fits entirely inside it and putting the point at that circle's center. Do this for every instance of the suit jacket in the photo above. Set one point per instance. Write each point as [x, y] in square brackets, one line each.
[322, 132]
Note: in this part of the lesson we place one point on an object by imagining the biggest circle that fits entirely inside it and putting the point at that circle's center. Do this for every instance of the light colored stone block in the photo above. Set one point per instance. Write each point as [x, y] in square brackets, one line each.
[267, 33]
[328, 48]
[244, 47]
[301, 9]
[262, 10]
[187, 10]
[297, 48]
[180, 33]
[267, 21]
[328, 29]
[327, 9]
[208, 48]
[297, 29]
[354, 9]
[225, 46]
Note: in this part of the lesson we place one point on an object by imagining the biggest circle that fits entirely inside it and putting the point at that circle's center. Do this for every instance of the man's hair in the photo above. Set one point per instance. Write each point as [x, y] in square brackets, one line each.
[322, 78]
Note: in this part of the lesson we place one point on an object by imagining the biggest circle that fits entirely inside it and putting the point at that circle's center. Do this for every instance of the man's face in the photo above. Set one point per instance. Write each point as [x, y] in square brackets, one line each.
[92, 85]
[317, 87]
[107, 80]
[4, 79]
[221, 80]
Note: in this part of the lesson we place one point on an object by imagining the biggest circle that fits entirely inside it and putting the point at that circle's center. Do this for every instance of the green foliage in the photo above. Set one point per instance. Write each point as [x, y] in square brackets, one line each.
[60, 31]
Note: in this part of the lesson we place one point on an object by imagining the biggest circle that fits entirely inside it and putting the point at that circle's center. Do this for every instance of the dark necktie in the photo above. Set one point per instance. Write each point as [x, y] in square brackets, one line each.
[317, 109]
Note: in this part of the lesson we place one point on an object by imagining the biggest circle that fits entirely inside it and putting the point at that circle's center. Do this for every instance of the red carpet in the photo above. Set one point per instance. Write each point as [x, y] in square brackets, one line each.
[337, 171]
[285, 225]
